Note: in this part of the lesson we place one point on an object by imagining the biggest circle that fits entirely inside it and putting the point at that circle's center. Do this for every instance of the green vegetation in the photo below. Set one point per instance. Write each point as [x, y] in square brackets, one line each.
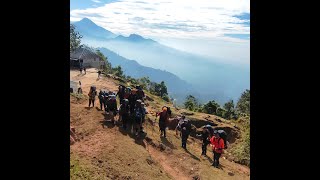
[241, 151]
[75, 38]
[243, 105]
[228, 111]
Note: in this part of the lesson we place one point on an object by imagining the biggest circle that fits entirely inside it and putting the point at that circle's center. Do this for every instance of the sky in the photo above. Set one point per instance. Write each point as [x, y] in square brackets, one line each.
[214, 28]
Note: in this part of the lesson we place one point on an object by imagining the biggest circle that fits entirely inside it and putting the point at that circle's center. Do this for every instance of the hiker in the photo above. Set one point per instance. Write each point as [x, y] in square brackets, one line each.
[92, 95]
[143, 116]
[124, 112]
[99, 73]
[140, 93]
[217, 144]
[101, 99]
[79, 88]
[80, 70]
[138, 115]
[132, 100]
[121, 92]
[127, 93]
[85, 71]
[112, 103]
[178, 128]
[163, 116]
[185, 132]
[205, 134]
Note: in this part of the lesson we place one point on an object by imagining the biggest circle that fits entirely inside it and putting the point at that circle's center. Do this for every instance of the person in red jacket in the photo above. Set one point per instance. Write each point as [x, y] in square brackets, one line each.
[217, 144]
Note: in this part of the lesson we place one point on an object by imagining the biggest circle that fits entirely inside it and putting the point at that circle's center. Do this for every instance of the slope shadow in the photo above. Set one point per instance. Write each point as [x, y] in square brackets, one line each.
[193, 156]
[167, 143]
[108, 124]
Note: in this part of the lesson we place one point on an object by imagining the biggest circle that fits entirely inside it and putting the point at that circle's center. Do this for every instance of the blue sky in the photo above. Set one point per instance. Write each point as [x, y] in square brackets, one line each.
[215, 28]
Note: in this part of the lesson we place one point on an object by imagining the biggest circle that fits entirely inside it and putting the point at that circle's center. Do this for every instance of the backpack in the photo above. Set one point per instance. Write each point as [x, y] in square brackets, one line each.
[223, 135]
[93, 88]
[138, 112]
[124, 108]
[210, 129]
[169, 111]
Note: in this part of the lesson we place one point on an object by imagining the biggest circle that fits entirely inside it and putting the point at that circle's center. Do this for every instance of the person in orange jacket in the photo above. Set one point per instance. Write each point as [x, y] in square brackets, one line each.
[217, 144]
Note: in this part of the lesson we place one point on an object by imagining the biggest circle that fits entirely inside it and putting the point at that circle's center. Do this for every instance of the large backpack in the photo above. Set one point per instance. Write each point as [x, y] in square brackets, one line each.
[169, 111]
[93, 88]
[223, 136]
[210, 129]
[124, 108]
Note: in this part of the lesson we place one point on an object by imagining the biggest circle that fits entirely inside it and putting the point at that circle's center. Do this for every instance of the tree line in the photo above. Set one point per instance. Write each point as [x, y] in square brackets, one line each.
[227, 111]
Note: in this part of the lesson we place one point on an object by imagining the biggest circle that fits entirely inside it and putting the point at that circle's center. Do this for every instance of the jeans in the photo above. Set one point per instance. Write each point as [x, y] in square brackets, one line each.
[184, 139]
[216, 157]
[204, 147]
[91, 101]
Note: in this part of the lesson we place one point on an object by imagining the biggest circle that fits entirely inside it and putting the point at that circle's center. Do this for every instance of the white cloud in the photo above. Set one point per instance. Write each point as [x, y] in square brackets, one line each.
[206, 20]
[96, 1]
[183, 18]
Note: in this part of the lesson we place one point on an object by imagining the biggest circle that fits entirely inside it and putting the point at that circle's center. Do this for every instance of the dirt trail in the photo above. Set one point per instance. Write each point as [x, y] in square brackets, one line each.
[111, 153]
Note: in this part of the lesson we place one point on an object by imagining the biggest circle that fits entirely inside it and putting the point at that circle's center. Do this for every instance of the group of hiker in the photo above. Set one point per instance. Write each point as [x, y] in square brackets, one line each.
[132, 110]
[217, 139]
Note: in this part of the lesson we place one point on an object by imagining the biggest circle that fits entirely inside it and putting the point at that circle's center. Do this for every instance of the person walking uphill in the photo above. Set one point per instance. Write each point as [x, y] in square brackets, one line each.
[124, 112]
[163, 116]
[205, 134]
[217, 148]
[185, 132]
[102, 99]
[92, 95]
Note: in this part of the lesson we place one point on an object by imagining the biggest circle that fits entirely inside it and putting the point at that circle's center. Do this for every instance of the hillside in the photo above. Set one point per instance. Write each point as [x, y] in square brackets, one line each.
[105, 151]
[177, 87]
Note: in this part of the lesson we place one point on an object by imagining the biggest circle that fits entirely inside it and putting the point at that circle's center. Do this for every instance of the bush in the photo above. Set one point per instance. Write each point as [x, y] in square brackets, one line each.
[241, 151]
[166, 97]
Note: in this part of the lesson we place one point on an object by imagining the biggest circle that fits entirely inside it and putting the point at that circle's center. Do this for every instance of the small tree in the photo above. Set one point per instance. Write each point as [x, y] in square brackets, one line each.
[118, 71]
[229, 107]
[166, 97]
[191, 103]
[243, 105]
[108, 68]
[75, 38]
[220, 112]
[210, 107]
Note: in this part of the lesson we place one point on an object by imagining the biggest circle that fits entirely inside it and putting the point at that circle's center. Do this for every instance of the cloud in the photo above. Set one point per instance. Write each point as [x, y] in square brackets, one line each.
[216, 28]
[187, 18]
[96, 1]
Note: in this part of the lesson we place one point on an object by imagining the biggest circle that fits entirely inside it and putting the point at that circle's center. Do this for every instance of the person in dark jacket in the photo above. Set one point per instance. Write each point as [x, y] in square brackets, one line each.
[185, 132]
[163, 117]
[92, 96]
[101, 99]
[121, 92]
[205, 134]
[124, 112]
[132, 100]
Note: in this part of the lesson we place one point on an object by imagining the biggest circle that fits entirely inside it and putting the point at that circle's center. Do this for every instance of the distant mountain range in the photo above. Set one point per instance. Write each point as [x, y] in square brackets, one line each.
[176, 87]
[203, 77]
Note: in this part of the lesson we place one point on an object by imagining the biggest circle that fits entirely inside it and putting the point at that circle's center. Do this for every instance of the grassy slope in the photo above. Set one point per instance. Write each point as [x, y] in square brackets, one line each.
[109, 153]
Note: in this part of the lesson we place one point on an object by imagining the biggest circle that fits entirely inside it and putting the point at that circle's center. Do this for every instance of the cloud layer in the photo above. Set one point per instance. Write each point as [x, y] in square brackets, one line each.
[172, 19]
